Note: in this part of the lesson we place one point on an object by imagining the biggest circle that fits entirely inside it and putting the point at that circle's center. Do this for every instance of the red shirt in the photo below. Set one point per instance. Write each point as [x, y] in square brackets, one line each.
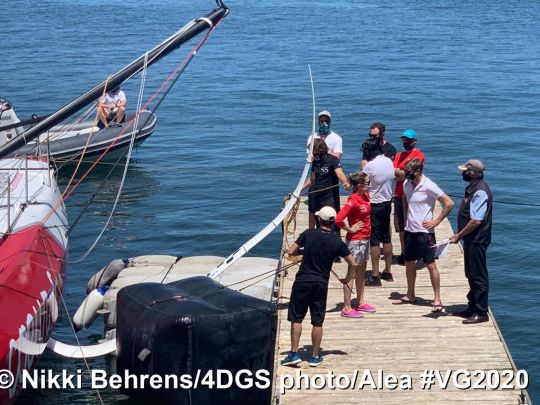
[401, 160]
[356, 209]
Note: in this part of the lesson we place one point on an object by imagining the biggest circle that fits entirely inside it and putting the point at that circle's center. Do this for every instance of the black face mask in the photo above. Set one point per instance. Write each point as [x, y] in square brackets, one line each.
[408, 145]
[466, 176]
[410, 176]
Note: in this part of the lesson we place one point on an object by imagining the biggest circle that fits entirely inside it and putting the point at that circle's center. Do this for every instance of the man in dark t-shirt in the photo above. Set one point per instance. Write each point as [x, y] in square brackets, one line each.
[376, 131]
[310, 287]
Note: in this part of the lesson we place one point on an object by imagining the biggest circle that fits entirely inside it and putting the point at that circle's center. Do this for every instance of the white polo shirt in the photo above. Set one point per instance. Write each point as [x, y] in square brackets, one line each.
[381, 175]
[332, 140]
[421, 203]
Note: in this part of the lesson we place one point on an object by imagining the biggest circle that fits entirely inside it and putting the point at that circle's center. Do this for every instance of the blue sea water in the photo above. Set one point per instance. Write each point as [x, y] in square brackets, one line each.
[230, 138]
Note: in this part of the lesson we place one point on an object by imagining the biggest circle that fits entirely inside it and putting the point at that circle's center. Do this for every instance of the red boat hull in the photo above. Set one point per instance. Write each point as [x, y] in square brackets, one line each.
[31, 280]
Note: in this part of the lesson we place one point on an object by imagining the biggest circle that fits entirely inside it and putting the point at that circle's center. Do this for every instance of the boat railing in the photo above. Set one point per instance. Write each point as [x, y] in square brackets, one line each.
[13, 201]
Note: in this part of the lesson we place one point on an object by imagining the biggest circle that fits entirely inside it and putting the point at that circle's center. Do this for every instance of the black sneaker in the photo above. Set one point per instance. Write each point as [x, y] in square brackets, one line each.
[387, 276]
[373, 281]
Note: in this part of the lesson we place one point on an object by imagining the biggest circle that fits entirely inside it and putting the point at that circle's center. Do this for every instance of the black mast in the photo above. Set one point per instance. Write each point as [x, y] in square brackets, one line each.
[118, 78]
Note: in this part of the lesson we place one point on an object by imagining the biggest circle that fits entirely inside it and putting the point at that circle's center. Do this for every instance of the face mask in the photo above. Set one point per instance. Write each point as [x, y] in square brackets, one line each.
[410, 176]
[408, 145]
[324, 128]
[466, 176]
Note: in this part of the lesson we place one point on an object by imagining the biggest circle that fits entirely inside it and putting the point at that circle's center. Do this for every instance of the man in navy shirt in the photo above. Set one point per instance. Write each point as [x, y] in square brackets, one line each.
[310, 288]
[474, 228]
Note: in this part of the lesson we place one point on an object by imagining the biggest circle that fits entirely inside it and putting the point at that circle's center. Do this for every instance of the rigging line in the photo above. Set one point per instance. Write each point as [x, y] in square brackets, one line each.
[323, 189]
[187, 60]
[177, 74]
[267, 274]
[87, 142]
[121, 187]
[504, 202]
[95, 194]
[152, 97]
[46, 245]
[170, 268]
[348, 286]
[63, 129]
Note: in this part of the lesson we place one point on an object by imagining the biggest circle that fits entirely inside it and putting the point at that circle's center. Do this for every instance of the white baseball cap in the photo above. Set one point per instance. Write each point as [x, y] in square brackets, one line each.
[325, 113]
[327, 214]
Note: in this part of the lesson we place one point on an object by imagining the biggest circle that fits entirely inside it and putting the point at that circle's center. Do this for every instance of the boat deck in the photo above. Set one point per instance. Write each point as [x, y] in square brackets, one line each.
[398, 339]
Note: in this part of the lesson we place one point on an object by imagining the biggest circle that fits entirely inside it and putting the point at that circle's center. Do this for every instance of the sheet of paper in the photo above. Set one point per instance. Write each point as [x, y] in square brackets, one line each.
[441, 247]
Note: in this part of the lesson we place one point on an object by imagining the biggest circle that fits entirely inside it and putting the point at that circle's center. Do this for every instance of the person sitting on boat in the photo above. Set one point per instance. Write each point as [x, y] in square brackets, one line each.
[354, 217]
[332, 139]
[112, 107]
[326, 173]
[310, 288]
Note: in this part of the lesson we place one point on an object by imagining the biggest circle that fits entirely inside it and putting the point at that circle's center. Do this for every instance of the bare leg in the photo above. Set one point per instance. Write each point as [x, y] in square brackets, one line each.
[316, 338]
[435, 282]
[410, 271]
[296, 332]
[360, 281]
[375, 252]
[347, 294]
[387, 251]
[120, 114]
[103, 115]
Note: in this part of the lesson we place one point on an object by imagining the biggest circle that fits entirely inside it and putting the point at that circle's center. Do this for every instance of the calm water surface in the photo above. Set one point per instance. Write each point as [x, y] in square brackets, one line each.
[230, 138]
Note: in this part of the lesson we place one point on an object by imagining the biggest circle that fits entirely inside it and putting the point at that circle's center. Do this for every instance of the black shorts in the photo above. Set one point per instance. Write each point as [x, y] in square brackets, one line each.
[308, 294]
[380, 223]
[399, 219]
[317, 200]
[418, 246]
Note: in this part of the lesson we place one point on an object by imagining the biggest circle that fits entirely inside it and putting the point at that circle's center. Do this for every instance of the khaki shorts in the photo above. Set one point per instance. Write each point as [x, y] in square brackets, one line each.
[359, 249]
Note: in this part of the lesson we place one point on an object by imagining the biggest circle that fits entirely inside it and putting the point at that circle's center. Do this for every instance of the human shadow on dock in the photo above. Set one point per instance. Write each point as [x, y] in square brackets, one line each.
[306, 351]
[420, 302]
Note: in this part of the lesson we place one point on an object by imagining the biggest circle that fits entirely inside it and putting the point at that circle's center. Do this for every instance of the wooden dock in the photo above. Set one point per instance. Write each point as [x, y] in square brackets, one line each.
[403, 340]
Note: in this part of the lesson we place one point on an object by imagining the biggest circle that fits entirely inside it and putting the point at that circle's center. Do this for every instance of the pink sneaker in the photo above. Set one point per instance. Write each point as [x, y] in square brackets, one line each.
[366, 308]
[352, 313]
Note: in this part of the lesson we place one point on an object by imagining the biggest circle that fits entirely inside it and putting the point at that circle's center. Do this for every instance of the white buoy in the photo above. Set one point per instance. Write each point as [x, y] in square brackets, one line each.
[88, 311]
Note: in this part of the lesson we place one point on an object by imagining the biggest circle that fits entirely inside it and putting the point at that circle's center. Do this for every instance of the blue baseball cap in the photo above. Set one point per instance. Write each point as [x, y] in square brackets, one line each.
[409, 133]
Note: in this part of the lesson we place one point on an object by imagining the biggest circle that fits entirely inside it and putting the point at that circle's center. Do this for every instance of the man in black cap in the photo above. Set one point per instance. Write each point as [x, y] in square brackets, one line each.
[474, 228]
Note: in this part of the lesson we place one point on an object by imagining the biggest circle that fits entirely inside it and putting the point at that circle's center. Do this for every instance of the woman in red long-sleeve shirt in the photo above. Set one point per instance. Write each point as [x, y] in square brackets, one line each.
[358, 226]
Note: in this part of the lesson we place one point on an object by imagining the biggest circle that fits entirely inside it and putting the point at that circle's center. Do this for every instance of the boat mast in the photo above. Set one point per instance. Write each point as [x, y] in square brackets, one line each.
[163, 49]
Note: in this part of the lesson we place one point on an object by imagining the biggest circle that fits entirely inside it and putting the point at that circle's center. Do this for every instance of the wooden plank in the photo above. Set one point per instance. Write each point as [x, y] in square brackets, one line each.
[398, 339]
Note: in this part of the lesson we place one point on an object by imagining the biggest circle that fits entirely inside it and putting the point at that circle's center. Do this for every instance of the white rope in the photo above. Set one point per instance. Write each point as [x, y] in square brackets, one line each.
[128, 157]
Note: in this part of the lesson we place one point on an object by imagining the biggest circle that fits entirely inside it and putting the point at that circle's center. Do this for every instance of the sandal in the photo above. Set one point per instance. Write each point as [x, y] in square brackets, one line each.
[435, 308]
